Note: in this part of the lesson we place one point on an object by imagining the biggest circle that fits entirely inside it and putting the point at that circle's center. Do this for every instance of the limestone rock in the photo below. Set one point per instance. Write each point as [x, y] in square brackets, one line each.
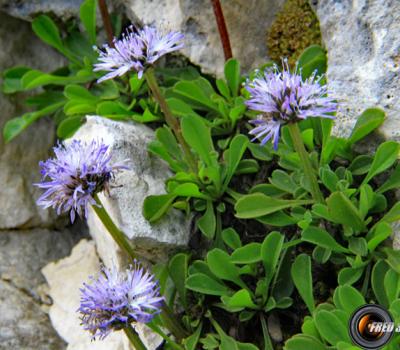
[146, 176]
[23, 324]
[19, 159]
[247, 23]
[24, 253]
[363, 58]
[65, 277]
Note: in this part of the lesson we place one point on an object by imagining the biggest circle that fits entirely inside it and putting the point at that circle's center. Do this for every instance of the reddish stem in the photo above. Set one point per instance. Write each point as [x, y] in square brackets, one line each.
[223, 31]
[105, 15]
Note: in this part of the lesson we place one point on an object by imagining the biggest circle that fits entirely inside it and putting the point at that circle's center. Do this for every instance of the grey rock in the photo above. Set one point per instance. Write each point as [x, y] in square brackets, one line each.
[247, 23]
[19, 159]
[146, 176]
[65, 277]
[363, 58]
[24, 253]
[23, 324]
[28, 9]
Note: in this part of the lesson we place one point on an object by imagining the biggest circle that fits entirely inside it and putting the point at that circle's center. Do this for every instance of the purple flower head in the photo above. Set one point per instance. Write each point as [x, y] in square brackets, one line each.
[114, 299]
[283, 97]
[71, 179]
[136, 50]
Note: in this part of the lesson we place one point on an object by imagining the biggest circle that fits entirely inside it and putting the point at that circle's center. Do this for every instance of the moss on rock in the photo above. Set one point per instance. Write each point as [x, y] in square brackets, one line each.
[295, 28]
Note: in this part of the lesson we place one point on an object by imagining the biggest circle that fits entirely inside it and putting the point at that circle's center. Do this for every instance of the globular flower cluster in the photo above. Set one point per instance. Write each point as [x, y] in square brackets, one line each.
[283, 97]
[136, 50]
[115, 299]
[71, 179]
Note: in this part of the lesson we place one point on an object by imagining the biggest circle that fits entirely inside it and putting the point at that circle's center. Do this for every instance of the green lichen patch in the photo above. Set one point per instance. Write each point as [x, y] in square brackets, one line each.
[295, 28]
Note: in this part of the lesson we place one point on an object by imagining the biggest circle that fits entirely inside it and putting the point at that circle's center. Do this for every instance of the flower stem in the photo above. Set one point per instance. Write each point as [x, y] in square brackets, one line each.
[171, 323]
[267, 338]
[106, 21]
[223, 31]
[305, 161]
[134, 338]
[115, 232]
[172, 122]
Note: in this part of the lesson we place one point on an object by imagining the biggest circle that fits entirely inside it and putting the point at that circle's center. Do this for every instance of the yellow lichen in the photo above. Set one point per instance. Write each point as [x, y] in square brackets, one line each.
[295, 28]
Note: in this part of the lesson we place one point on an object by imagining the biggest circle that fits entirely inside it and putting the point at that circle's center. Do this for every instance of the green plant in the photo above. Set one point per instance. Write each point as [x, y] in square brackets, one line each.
[294, 29]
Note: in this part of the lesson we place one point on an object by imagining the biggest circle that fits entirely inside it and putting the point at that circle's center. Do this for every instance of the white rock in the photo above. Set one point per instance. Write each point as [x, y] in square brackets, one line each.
[146, 176]
[363, 43]
[65, 278]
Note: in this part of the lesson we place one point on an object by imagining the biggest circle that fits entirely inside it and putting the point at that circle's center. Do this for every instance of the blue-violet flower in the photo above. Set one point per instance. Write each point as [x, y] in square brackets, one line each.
[116, 299]
[136, 50]
[71, 179]
[283, 97]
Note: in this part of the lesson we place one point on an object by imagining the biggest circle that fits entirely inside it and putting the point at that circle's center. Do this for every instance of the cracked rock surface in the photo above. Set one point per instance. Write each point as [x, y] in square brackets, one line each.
[24, 323]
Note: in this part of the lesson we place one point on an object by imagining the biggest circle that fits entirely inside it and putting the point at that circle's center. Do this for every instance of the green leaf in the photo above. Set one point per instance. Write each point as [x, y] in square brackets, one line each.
[331, 327]
[198, 91]
[301, 274]
[235, 152]
[349, 275]
[35, 78]
[323, 239]
[270, 252]
[350, 299]
[87, 14]
[360, 165]
[250, 253]
[328, 178]
[393, 181]
[232, 75]
[198, 137]
[207, 223]
[189, 190]
[190, 342]
[367, 122]
[69, 126]
[15, 126]
[380, 232]
[313, 59]
[358, 246]
[393, 214]
[154, 207]
[241, 299]
[257, 204]
[393, 258]
[392, 285]
[304, 342]
[223, 88]
[178, 270]
[221, 266]
[45, 29]
[204, 284]
[377, 282]
[180, 108]
[385, 156]
[231, 238]
[247, 166]
[281, 179]
[343, 211]
[12, 79]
